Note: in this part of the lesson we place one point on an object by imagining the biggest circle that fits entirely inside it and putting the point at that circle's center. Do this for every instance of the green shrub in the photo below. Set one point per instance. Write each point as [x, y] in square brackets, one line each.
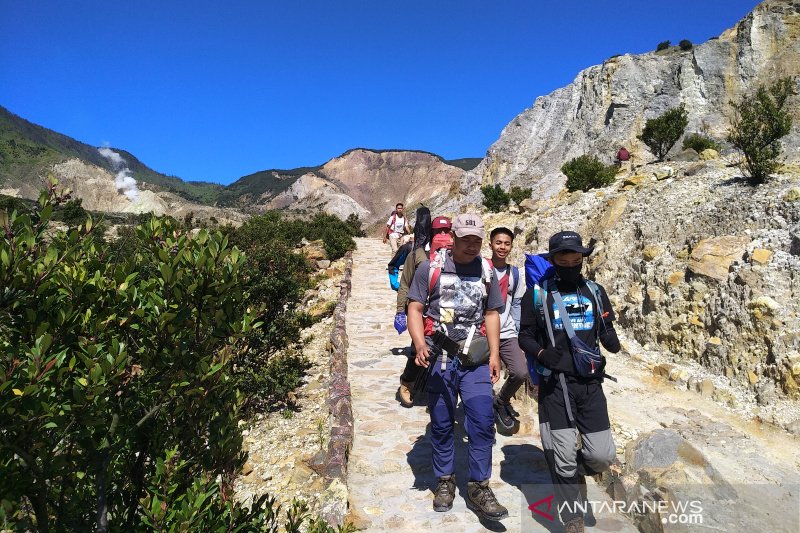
[661, 133]
[355, 223]
[587, 172]
[495, 199]
[699, 142]
[518, 194]
[71, 213]
[663, 45]
[761, 120]
[105, 365]
[685, 45]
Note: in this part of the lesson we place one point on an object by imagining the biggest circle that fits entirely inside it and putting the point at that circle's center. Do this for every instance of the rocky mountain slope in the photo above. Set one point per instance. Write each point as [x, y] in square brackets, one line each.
[363, 182]
[607, 105]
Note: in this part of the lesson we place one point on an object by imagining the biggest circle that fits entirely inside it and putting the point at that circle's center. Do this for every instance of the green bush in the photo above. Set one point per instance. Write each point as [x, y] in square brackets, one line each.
[761, 120]
[663, 45]
[105, 365]
[587, 172]
[685, 45]
[355, 223]
[119, 398]
[661, 133]
[518, 194]
[495, 199]
[699, 142]
[71, 213]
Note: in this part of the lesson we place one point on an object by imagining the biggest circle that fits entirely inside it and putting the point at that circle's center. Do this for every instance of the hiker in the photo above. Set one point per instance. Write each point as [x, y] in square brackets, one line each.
[437, 238]
[501, 240]
[624, 158]
[396, 227]
[571, 399]
[453, 300]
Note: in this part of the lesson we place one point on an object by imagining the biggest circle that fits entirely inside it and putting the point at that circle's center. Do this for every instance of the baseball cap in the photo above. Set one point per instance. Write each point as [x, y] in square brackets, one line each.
[441, 222]
[468, 224]
[567, 240]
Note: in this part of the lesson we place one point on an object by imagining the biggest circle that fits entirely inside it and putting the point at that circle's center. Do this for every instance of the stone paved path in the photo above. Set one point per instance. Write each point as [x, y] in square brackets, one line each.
[390, 476]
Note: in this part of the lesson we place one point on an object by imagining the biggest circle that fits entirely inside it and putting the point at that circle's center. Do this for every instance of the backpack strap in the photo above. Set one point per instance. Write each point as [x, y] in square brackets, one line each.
[594, 292]
[515, 271]
[539, 304]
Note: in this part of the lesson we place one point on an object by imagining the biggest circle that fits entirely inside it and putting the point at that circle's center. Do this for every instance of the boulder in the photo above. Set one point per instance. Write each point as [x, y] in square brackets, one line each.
[528, 205]
[315, 250]
[687, 155]
[662, 466]
[713, 257]
[634, 180]
[651, 252]
[323, 263]
[664, 173]
[761, 256]
[709, 154]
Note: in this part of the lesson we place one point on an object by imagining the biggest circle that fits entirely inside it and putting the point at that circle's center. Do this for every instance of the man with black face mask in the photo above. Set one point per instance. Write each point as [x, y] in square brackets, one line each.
[571, 399]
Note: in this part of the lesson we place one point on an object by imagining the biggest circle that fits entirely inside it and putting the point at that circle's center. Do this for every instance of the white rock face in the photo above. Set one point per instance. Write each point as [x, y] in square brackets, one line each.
[607, 105]
[313, 193]
[97, 189]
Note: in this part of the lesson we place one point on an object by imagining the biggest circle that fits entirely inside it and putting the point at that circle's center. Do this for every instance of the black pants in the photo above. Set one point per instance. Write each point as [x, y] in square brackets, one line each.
[559, 437]
[411, 371]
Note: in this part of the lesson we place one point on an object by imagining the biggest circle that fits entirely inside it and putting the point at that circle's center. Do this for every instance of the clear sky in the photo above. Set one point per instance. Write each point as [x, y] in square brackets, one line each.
[214, 90]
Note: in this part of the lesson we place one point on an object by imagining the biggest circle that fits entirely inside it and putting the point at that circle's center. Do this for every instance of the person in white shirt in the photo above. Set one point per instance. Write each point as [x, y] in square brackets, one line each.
[396, 227]
[512, 287]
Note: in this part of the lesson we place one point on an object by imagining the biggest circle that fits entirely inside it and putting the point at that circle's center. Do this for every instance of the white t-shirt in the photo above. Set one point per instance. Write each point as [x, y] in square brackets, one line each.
[396, 228]
[509, 316]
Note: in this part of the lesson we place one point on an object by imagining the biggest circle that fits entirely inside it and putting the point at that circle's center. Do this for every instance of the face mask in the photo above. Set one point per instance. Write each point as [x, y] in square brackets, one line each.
[442, 240]
[569, 274]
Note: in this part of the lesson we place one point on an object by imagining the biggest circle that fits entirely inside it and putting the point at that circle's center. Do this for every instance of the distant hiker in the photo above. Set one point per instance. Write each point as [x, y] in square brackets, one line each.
[454, 299]
[396, 227]
[571, 399]
[501, 241]
[624, 158]
[436, 238]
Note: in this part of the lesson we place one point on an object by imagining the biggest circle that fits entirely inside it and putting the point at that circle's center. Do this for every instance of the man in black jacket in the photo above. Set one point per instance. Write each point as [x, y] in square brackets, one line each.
[569, 403]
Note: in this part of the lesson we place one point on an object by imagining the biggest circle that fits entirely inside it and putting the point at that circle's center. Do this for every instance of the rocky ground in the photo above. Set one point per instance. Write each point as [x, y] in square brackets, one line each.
[287, 443]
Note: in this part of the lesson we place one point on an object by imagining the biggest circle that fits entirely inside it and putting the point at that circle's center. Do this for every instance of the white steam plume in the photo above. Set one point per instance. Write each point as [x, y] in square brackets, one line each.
[124, 180]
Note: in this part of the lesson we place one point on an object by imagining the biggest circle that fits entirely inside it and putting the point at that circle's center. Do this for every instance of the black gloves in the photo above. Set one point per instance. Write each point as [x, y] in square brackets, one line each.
[549, 357]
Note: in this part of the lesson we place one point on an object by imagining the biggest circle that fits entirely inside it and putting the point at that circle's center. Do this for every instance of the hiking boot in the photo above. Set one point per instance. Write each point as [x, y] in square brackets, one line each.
[480, 498]
[444, 494]
[574, 525]
[404, 393]
[503, 413]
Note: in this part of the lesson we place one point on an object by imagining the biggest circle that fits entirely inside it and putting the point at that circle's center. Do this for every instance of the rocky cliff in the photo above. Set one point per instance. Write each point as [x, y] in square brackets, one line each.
[607, 105]
[700, 265]
[99, 191]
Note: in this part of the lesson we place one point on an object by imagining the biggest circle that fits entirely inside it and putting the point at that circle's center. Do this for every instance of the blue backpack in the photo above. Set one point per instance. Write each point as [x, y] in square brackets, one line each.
[537, 269]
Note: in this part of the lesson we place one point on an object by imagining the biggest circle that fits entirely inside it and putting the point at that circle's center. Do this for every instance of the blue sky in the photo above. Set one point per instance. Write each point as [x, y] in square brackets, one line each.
[217, 90]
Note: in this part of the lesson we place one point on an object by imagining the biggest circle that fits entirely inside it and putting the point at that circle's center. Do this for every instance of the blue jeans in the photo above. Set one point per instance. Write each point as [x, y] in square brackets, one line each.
[474, 384]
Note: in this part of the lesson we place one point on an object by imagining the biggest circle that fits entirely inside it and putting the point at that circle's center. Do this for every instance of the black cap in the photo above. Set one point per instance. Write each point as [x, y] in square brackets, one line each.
[567, 240]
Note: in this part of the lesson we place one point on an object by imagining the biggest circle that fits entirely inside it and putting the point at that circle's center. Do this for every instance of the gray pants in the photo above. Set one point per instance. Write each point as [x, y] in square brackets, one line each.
[514, 359]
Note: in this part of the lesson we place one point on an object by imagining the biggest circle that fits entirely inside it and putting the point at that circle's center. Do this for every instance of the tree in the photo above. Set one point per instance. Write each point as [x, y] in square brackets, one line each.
[685, 45]
[663, 45]
[495, 199]
[587, 172]
[519, 195]
[760, 121]
[661, 133]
